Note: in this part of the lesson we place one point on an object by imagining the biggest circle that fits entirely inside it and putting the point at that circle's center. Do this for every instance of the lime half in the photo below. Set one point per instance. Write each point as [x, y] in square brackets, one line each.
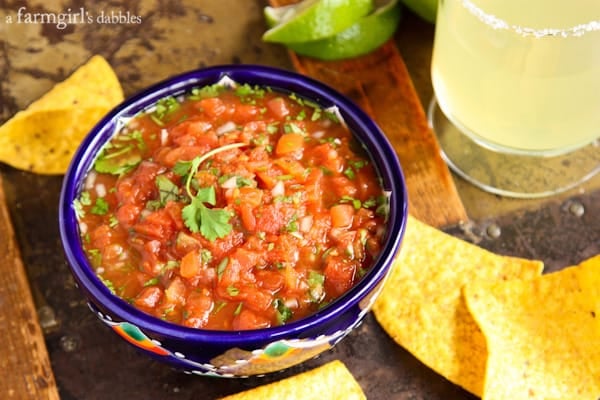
[364, 36]
[426, 9]
[311, 20]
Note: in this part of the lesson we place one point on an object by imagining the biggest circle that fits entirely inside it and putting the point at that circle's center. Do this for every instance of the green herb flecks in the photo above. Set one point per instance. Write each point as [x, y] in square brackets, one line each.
[108, 284]
[164, 107]
[221, 267]
[119, 161]
[283, 312]
[167, 190]
[356, 203]
[206, 92]
[244, 91]
[100, 207]
[151, 282]
[316, 283]
[79, 203]
[233, 291]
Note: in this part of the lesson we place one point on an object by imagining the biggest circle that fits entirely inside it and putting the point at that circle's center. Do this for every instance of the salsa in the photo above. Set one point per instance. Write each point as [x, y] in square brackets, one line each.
[232, 208]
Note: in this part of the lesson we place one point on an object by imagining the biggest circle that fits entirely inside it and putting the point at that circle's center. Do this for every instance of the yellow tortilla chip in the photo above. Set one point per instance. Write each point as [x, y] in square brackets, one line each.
[94, 84]
[43, 137]
[332, 381]
[422, 308]
[543, 335]
[44, 141]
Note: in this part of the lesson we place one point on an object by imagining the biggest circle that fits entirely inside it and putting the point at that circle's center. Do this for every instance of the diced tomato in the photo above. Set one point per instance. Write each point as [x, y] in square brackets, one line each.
[343, 187]
[197, 308]
[268, 177]
[342, 215]
[326, 156]
[251, 196]
[149, 297]
[270, 280]
[256, 299]
[173, 209]
[248, 319]
[128, 214]
[278, 107]
[185, 153]
[190, 264]
[339, 275]
[185, 243]
[248, 218]
[176, 292]
[289, 143]
[101, 236]
[213, 107]
[270, 219]
[292, 167]
[200, 129]
[245, 113]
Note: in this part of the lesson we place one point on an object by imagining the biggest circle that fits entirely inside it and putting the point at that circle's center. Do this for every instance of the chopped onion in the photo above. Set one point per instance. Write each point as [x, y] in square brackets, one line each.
[83, 228]
[145, 212]
[226, 127]
[230, 183]
[318, 134]
[278, 189]
[164, 135]
[91, 180]
[305, 223]
[291, 303]
[101, 190]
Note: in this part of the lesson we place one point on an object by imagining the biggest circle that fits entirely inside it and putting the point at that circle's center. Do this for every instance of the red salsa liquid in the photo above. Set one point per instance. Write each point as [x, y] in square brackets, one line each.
[232, 208]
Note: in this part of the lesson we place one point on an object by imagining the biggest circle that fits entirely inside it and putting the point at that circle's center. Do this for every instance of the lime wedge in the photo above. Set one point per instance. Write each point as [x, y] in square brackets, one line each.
[311, 20]
[364, 36]
[426, 9]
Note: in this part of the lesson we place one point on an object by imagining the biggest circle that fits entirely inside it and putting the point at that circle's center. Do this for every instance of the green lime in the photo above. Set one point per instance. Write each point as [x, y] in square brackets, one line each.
[426, 9]
[311, 20]
[364, 36]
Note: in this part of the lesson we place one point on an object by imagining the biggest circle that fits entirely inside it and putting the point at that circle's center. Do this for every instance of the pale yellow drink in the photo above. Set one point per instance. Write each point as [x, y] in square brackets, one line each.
[520, 75]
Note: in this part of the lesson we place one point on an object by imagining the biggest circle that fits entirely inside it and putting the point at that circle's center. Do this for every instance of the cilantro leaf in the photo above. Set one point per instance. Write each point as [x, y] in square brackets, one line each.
[191, 215]
[282, 312]
[215, 223]
[101, 207]
[212, 223]
[167, 190]
[117, 162]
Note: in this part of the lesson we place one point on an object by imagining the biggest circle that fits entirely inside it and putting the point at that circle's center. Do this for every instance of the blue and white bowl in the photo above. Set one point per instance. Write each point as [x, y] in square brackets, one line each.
[236, 353]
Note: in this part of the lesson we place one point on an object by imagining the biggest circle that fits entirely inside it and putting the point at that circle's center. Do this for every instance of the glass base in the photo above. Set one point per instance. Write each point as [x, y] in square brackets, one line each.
[512, 175]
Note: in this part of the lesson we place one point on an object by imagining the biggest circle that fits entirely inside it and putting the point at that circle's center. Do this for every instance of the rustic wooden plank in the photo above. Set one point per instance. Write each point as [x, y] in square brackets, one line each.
[380, 83]
[25, 365]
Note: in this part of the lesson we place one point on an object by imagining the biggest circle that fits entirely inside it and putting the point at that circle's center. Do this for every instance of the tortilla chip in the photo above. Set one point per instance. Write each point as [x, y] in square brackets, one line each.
[44, 141]
[422, 308]
[94, 84]
[331, 381]
[43, 137]
[543, 335]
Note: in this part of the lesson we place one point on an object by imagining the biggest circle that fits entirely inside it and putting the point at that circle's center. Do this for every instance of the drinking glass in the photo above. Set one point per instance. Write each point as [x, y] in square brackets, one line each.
[517, 93]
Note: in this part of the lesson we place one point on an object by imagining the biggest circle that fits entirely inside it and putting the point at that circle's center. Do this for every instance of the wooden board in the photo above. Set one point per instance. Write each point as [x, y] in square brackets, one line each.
[379, 82]
[25, 365]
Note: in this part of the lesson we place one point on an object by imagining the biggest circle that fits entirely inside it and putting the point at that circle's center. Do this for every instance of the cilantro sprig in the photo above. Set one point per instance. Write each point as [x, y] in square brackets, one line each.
[212, 223]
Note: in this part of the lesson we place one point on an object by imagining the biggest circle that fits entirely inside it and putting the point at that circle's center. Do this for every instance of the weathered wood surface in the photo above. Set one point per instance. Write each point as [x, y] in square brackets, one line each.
[25, 365]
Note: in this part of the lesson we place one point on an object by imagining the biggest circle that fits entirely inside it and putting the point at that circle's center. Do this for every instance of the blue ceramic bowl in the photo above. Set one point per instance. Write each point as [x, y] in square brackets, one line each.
[235, 353]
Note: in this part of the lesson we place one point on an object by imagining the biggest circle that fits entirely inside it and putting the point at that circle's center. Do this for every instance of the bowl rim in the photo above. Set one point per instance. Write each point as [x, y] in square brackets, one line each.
[362, 126]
